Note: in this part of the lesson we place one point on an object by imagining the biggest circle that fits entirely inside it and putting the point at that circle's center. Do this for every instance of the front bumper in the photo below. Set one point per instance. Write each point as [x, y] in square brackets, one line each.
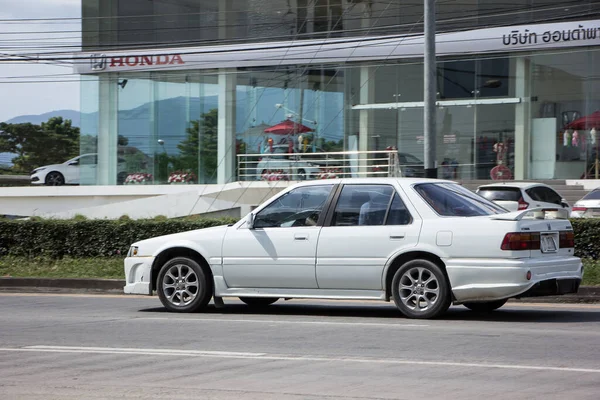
[138, 275]
[495, 279]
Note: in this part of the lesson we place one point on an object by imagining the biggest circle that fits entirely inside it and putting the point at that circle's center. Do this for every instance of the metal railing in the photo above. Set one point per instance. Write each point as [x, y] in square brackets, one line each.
[327, 165]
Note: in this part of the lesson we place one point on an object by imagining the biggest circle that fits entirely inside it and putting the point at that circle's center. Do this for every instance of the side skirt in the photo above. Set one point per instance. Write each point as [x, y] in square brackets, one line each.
[221, 290]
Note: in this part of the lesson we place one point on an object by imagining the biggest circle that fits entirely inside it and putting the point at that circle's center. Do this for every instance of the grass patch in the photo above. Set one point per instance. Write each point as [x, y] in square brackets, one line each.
[112, 268]
[23, 267]
[591, 273]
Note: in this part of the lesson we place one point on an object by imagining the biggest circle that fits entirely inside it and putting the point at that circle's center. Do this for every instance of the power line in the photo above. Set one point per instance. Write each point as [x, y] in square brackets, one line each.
[490, 14]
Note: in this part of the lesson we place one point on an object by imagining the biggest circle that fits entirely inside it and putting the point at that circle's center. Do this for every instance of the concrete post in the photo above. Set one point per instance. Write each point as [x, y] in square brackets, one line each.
[226, 126]
[365, 122]
[522, 118]
[107, 130]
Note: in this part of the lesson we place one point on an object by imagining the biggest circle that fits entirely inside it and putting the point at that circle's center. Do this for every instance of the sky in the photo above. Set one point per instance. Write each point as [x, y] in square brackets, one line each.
[52, 94]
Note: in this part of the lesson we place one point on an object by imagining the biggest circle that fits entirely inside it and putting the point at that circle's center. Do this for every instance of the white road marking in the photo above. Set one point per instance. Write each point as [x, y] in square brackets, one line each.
[265, 321]
[275, 357]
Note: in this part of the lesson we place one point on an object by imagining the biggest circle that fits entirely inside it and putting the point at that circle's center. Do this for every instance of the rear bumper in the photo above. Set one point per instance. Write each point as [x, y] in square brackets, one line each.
[494, 279]
[138, 273]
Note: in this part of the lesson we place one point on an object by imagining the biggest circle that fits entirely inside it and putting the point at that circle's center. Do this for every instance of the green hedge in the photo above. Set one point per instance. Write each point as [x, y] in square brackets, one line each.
[87, 238]
[587, 237]
[105, 238]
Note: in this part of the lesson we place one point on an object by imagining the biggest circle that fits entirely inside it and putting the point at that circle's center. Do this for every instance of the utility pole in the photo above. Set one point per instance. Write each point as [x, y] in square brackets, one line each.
[430, 90]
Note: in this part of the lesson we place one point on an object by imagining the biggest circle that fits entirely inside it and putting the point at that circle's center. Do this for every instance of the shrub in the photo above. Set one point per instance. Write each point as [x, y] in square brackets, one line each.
[87, 238]
[587, 237]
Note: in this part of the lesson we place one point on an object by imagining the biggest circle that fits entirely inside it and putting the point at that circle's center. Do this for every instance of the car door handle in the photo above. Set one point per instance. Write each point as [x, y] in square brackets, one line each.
[396, 237]
[299, 236]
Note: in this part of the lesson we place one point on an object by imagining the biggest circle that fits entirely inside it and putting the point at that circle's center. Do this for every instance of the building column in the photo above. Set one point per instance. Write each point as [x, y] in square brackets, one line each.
[365, 118]
[226, 126]
[522, 118]
[107, 130]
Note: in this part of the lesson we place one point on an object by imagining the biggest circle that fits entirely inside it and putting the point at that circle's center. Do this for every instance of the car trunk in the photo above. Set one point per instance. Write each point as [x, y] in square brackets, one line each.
[549, 232]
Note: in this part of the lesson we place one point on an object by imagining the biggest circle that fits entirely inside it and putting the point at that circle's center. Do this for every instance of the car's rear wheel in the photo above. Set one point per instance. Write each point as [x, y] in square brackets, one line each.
[183, 285]
[55, 178]
[486, 306]
[259, 301]
[420, 289]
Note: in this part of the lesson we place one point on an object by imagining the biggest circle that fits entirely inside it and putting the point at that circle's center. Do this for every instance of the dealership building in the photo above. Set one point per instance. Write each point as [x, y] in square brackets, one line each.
[195, 83]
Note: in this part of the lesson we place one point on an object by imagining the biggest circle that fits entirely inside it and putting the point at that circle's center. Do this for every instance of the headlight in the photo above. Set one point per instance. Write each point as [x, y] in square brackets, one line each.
[133, 251]
[37, 170]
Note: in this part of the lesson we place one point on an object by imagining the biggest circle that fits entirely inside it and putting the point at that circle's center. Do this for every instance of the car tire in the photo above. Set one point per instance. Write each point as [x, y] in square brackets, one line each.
[301, 175]
[259, 302]
[54, 178]
[420, 289]
[487, 306]
[183, 286]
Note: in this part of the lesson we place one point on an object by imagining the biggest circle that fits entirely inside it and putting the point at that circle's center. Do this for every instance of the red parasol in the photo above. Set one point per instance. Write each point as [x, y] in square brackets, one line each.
[589, 121]
[288, 127]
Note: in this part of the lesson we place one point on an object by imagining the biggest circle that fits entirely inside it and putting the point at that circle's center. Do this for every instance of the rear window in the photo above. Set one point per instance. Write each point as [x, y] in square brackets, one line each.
[500, 193]
[593, 195]
[453, 200]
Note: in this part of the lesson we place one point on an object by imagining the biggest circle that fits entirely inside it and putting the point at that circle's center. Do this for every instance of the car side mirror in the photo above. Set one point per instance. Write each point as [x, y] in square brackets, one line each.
[74, 163]
[250, 221]
[564, 204]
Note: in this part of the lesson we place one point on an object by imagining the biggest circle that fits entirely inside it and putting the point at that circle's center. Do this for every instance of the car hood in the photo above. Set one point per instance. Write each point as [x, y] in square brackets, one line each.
[148, 247]
[49, 166]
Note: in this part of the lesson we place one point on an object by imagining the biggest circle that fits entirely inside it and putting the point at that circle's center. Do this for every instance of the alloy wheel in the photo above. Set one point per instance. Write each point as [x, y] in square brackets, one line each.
[419, 289]
[180, 285]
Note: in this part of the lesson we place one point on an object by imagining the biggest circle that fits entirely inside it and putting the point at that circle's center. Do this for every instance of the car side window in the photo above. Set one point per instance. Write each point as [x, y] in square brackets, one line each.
[552, 196]
[535, 194]
[362, 205]
[398, 214]
[299, 207]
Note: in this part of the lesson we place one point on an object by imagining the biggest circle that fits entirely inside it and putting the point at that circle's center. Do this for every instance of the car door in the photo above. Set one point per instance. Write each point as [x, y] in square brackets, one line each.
[280, 250]
[369, 224]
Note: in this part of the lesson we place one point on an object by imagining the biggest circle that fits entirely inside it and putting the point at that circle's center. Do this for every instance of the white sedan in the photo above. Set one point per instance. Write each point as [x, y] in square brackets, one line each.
[71, 171]
[423, 243]
[588, 206]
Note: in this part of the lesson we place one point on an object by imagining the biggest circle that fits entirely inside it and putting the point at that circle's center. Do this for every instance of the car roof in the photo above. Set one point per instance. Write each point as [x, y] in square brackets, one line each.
[519, 185]
[373, 181]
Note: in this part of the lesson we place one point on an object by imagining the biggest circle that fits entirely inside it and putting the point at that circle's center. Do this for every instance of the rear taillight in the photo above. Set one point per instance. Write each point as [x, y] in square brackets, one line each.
[521, 241]
[523, 204]
[567, 239]
[579, 208]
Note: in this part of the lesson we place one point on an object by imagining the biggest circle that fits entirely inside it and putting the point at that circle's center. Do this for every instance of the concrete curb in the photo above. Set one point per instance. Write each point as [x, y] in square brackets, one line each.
[62, 285]
[586, 294]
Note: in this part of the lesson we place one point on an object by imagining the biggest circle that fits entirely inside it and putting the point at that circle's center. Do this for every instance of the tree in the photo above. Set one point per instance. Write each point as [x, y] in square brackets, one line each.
[52, 142]
[198, 152]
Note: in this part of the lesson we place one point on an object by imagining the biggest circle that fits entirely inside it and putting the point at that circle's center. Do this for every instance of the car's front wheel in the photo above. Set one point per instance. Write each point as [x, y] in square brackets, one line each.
[486, 306]
[420, 289]
[183, 285]
[259, 301]
[55, 178]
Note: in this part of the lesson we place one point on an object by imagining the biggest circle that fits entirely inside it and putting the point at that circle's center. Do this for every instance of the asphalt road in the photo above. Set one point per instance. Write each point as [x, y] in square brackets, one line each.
[106, 347]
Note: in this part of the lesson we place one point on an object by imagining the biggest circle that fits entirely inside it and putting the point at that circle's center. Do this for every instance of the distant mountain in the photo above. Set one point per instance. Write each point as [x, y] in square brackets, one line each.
[38, 119]
[169, 122]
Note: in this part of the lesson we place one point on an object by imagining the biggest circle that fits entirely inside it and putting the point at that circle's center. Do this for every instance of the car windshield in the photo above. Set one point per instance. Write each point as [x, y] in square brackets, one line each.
[500, 193]
[453, 200]
[593, 195]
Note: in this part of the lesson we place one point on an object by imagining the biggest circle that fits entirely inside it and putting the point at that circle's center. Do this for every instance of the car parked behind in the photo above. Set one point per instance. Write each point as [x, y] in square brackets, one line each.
[515, 196]
[588, 206]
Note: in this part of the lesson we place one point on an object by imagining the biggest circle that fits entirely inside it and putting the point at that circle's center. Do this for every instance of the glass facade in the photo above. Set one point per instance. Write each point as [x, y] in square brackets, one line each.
[159, 23]
[506, 115]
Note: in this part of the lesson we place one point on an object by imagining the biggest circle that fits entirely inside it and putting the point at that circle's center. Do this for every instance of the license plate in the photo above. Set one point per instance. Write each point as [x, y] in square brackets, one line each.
[549, 244]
